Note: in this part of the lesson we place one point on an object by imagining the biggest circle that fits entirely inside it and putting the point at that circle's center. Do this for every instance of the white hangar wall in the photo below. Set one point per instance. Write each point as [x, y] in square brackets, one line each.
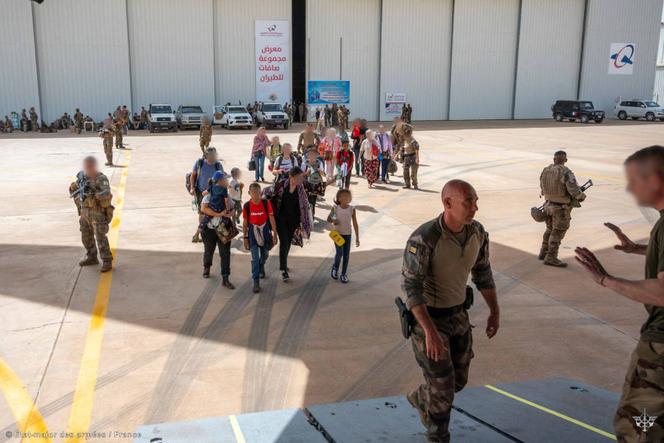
[416, 62]
[483, 59]
[83, 57]
[619, 21]
[172, 53]
[548, 69]
[454, 59]
[18, 68]
[343, 40]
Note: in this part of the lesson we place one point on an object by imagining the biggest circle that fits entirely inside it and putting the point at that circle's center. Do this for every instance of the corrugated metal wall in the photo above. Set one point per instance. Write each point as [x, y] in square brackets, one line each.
[234, 45]
[172, 56]
[550, 40]
[619, 21]
[658, 94]
[417, 62]
[357, 56]
[483, 59]
[83, 57]
[18, 69]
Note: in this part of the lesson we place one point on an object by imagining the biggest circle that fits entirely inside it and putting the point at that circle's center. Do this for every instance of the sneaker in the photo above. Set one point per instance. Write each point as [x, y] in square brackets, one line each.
[206, 272]
[227, 283]
[334, 274]
[343, 278]
[88, 261]
[285, 276]
[257, 287]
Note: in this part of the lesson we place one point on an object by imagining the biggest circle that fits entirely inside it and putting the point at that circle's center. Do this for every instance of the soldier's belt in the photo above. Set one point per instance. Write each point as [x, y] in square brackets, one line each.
[444, 312]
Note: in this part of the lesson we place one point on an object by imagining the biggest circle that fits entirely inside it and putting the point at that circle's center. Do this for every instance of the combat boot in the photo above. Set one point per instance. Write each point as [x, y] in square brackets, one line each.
[553, 261]
[106, 266]
[542, 254]
[89, 260]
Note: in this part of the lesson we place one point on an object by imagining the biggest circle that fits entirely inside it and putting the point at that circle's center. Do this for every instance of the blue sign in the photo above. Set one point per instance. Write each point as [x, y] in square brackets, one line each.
[327, 92]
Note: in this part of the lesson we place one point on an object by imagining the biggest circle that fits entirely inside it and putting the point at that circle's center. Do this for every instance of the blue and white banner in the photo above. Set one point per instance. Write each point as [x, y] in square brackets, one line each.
[327, 92]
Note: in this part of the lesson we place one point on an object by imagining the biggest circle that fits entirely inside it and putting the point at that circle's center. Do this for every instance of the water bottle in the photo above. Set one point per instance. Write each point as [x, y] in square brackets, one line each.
[194, 205]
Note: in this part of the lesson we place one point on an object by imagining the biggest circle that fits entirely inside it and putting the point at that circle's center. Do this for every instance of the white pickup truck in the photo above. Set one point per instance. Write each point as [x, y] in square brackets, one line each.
[233, 116]
[161, 116]
[271, 115]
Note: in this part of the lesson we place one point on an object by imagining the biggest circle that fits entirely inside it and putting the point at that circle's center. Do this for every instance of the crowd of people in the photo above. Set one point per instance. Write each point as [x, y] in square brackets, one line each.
[288, 183]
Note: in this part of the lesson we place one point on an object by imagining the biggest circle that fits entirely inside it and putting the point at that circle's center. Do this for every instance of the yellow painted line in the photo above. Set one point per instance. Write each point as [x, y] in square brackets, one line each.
[239, 436]
[554, 413]
[29, 420]
[81, 410]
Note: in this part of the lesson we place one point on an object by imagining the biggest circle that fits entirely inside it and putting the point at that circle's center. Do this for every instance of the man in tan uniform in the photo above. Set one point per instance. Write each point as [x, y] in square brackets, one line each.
[205, 136]
[439, 257]
[106, 134]
[562, 193]
[92, 194]
[308, 138]
[117, 129]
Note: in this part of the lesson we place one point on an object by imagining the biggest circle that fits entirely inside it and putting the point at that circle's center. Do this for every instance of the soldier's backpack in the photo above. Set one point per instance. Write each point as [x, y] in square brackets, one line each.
[199, 165]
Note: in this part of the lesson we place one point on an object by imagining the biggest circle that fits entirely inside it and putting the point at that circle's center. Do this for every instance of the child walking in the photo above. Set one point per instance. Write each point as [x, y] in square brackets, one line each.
[341, 216]
[259, 227]
[235, 193]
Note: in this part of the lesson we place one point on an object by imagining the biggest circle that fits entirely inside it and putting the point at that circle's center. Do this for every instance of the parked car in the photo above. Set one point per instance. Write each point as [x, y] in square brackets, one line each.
[636, 109]
[573, 110]
[271, 115]
[233, 116]
[188, 116]
[160, 116]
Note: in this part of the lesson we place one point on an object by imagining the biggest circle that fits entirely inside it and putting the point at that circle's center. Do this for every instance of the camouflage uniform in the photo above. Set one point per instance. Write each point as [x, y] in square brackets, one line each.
[96, 213]
[107, 135]
[78, 121]
[205, 137]
[34, 119]
[561, 192]
[424, 283]
[117, 129]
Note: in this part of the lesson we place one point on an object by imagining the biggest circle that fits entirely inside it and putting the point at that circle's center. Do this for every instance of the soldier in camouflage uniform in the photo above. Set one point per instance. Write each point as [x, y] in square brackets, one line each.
[562, 193]
[438, 258]
[205, 136]
[107, 136]
[117, 131]
[643, 389]
[92, 194]
[34, 119]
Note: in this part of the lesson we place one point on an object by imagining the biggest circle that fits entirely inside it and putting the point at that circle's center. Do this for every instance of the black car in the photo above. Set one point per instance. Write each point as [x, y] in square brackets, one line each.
[573, 110]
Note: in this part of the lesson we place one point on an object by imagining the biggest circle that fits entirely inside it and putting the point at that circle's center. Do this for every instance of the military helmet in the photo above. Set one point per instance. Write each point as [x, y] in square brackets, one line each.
[537, 213]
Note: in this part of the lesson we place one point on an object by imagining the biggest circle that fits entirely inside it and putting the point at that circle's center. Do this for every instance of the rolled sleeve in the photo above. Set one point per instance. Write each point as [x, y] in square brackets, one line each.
[482, 274]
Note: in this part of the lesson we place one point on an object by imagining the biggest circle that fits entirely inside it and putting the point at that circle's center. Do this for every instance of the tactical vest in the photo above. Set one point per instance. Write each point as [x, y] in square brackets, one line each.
[552, 184]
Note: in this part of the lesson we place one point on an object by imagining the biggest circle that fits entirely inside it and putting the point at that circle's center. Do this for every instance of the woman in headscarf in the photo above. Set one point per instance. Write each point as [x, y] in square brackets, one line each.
[328, 148]
[293, 215]
[370, 150]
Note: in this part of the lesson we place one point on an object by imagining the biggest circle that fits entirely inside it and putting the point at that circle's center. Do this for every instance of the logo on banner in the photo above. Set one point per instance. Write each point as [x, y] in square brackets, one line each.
[271, 31]
[621, 60]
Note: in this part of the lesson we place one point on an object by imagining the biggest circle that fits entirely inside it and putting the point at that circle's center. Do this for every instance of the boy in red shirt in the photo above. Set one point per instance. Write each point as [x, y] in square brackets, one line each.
[259, 227]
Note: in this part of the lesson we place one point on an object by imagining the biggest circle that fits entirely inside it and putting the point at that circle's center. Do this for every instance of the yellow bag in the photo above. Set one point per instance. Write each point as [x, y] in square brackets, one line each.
[337, 238]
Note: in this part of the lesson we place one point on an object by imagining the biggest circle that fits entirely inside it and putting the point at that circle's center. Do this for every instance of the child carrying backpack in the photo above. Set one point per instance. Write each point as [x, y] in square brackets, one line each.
[259, 228]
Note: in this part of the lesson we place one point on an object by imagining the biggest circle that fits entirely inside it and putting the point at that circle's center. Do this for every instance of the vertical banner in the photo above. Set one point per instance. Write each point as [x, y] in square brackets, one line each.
[621, 60]
[272, 61]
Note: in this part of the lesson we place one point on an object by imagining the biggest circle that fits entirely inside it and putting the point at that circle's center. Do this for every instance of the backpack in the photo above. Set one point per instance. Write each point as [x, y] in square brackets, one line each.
[294, 160]
[199, 165]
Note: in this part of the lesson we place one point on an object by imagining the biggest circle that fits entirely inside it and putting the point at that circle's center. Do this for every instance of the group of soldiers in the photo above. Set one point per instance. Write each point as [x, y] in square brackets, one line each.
[29, 122]
[335, 116]
[441, 254]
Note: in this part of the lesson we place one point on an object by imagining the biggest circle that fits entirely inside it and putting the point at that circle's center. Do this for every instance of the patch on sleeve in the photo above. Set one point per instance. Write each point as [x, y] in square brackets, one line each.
[412, 249]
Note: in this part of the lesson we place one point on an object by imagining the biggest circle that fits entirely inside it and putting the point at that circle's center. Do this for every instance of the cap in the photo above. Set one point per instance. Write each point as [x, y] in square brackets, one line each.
[218, 175]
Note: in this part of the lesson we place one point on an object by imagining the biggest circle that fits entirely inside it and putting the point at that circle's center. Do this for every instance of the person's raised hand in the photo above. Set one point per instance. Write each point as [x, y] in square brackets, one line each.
[626, 244]
[591, 264]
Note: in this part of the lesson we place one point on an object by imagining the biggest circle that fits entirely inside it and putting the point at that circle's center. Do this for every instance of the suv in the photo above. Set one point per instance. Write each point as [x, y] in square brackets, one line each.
[636, 109]
[160, 117]
[189, 116]
[271, 115]
[573, 110]
[233, 116]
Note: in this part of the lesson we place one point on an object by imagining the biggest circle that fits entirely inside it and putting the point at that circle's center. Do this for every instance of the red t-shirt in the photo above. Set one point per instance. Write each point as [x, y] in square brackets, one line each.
[257, 215]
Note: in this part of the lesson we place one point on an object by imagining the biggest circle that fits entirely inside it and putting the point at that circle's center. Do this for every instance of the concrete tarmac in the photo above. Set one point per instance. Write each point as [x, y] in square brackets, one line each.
[166, 345]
